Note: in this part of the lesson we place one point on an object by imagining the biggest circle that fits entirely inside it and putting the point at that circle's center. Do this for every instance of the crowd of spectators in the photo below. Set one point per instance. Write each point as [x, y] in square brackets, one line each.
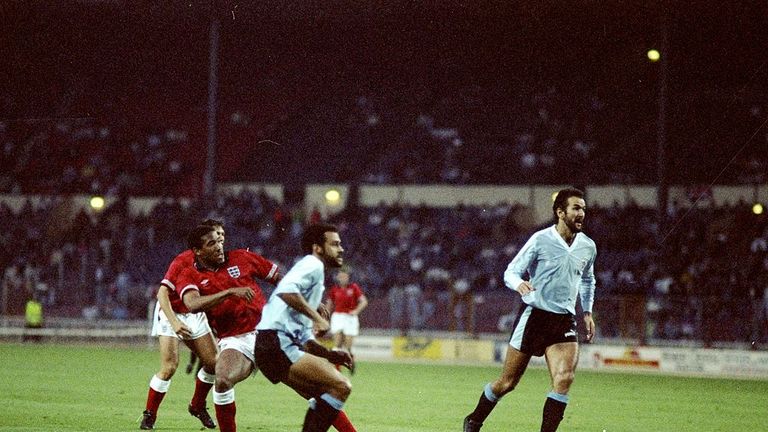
[93, 156]
[429, 268]
[477, 134]
[423, 268]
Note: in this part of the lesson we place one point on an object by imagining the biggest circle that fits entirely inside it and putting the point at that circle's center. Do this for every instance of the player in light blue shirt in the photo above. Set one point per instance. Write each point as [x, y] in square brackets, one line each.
[559, 265]
[286, 350]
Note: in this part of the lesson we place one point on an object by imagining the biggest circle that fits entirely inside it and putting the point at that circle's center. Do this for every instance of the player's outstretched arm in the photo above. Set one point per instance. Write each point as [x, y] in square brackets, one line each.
[197, 303]
[297, 302]
[338, 357]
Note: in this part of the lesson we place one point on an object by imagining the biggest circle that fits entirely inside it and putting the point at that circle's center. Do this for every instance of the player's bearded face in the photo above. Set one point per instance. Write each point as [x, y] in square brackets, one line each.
[332, 251]
[574, 214]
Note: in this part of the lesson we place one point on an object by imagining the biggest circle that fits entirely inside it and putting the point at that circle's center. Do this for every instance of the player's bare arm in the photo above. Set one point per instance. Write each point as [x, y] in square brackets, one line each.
[197, 303]
[325, 310]
[336, 356]
[297, 302]
[362, 303]
[589, 324]
[164, 301]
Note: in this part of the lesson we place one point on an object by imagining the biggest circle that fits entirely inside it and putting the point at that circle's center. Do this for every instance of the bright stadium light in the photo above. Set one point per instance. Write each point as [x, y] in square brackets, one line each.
[332, 196]
[757, 209]
[97, 202]
[554, 196]
[653, 55]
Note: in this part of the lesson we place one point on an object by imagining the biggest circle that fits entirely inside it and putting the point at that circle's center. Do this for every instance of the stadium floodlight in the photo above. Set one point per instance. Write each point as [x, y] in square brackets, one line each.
[332, 196]
[757, 209]
[653, 55]
[97, 202]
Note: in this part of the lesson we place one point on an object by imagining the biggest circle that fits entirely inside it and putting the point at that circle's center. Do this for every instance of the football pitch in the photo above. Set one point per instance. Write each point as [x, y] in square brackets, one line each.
[103, 388]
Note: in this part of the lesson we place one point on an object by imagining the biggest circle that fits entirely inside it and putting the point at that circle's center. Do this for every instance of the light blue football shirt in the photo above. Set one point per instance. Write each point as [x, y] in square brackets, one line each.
[306, 277]
[557, 272]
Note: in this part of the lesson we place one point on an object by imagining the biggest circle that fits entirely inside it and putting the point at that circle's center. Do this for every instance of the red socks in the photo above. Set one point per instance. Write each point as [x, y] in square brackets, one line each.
[342, 423]
[225, 415]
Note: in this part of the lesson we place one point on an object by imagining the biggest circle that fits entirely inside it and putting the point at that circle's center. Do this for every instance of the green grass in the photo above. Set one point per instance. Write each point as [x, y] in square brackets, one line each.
[87, 388]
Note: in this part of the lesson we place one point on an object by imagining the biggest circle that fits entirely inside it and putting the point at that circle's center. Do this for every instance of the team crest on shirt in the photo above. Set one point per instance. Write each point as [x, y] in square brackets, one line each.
[582, 265]
[234, 271]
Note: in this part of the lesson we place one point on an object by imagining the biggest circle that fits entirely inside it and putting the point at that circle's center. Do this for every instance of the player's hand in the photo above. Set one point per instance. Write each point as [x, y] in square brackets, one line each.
[341, 357]
[243, 292]
[589, 324]
[320, 327]
[525, 288]
[181, 329]
[324, 312]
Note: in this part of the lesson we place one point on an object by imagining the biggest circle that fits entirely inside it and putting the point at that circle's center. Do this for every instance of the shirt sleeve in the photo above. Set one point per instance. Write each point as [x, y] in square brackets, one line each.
[304, 274]
[358, 291]
[587, 287]
[520, 264]
[175, 269]
[265, 269]
[186, 281]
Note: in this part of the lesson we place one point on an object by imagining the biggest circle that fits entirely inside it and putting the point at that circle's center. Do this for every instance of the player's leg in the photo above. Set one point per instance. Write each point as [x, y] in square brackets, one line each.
[524, 342]
[334, 386]
[206, 350]
[351, 330]
[192, 362]
[309, 391]
[161, 381]
[347, 344]
[337, 328]
[515, 365]
[338, 339]
[234, 364]
[561, 361]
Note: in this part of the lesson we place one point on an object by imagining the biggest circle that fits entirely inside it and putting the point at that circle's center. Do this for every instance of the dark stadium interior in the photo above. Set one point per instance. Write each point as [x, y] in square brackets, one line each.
[111, 98]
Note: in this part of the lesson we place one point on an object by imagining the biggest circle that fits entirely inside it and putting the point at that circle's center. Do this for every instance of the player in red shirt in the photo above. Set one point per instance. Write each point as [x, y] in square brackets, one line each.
[173, 323]
[222, 284]
[346, 300]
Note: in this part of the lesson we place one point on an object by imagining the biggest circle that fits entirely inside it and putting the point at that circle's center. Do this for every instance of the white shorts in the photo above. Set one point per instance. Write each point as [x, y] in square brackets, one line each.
[197, 322]
[243, 343]
[347, 324]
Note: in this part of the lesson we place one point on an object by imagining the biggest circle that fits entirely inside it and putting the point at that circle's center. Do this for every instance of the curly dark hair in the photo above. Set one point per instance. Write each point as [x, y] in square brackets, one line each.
[315, 235]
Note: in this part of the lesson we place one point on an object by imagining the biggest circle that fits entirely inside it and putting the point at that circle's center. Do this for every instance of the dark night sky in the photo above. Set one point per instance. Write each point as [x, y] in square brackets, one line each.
[133, 48]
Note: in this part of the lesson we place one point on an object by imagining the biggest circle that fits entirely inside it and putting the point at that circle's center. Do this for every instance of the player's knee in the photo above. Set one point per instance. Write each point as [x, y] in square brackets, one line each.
[224, 383]
[343, 388]
[167, 369]
[504, 386]
[562, 381]
[209, 364]
[166, 373]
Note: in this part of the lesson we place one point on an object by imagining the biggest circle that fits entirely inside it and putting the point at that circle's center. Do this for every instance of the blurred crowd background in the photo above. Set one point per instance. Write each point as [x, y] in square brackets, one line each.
[112, 98]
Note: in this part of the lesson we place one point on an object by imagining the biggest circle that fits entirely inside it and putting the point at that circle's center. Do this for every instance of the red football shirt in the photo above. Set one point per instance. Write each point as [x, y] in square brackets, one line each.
[182, 261]
[345, 298]
[234, 315]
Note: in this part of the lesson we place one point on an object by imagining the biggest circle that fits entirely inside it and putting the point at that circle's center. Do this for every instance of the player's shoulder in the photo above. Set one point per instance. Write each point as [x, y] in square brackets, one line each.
[184, 258]
[547, 233]
[586, 239]
[239, 253]
[309, 264]
[188, 274]
[243, 254]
